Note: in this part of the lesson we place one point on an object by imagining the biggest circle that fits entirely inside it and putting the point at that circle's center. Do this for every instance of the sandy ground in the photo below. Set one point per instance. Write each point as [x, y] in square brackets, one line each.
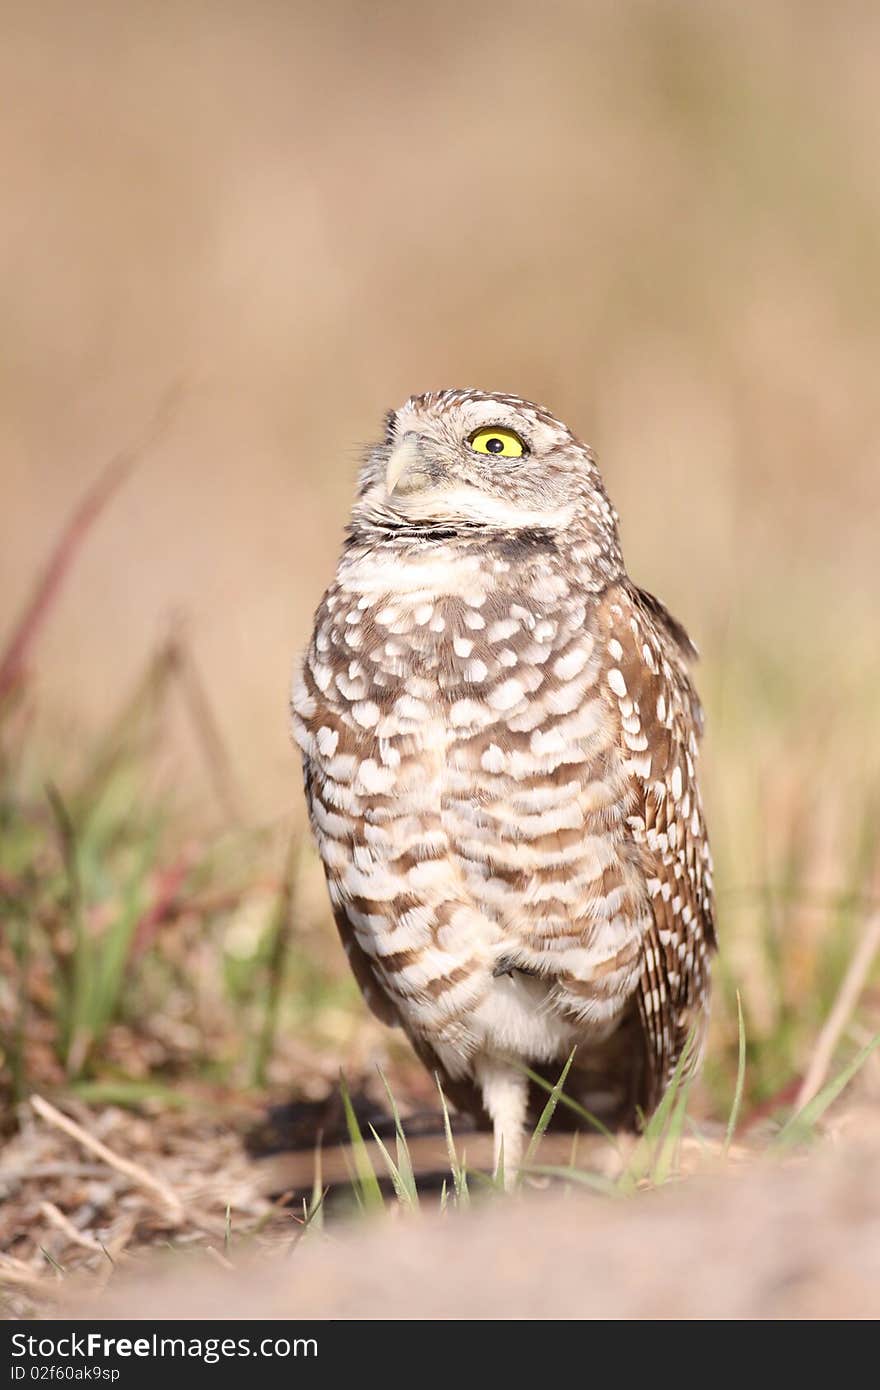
[176, 1219]
[795, 1241]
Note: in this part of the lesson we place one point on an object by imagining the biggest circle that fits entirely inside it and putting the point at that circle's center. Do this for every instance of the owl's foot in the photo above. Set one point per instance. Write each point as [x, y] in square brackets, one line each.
[505, 1096]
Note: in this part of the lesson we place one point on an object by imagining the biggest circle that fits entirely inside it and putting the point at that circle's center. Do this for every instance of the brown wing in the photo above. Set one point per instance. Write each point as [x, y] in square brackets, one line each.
[660, 724]
[361, 966]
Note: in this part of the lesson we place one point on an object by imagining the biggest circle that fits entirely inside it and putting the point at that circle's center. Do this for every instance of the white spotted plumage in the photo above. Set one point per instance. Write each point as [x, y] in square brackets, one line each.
[499, 738]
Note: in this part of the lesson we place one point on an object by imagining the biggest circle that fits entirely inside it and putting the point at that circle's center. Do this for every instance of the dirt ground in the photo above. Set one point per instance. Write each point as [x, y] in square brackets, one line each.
[799, 1241]
[121, 1216]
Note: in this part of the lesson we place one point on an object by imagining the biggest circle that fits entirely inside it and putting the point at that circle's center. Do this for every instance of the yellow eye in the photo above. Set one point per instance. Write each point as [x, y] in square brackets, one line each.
[503, 444]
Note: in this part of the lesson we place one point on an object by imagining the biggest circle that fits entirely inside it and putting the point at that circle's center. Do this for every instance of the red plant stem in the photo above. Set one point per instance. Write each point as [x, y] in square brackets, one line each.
[14, 658]
[162, 908]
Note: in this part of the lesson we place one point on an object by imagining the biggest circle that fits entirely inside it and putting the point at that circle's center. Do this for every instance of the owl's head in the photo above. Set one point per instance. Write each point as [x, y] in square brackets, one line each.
[473, 461]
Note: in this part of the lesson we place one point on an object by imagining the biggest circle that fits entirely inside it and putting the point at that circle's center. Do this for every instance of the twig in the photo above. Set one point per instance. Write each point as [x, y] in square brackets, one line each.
[13, 659]
[20, 1173]
[17, 1275]
[63, 1223]
[34, 1283]
[847, 998]
[138, 1175]
[11, 1262]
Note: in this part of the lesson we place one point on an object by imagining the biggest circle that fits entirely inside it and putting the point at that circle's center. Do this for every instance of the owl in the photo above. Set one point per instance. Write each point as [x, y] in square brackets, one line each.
[499, 739]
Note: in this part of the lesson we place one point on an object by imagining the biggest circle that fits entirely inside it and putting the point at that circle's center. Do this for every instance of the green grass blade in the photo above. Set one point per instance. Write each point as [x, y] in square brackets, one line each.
[459, 1172]
[498, 1176]
[570, 1104]
[401, 1191]
[280, 933]
[645, 1155]
[801, 1125]
[315, 1214]
[607, 1186]
[547, 1113]
[113, 950]
[366, 1183]
[131, 1094]
[733, 1118]
[59, 1269]
[404, 1158]
[314, 1218]
[668, 1150]
[73, 977]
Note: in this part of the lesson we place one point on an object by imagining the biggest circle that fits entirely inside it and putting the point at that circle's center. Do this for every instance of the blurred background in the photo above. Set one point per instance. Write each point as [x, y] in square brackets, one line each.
[660, 218]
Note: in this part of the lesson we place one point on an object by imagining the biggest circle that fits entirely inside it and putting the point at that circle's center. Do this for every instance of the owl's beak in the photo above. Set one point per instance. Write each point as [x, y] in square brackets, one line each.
[405, 470]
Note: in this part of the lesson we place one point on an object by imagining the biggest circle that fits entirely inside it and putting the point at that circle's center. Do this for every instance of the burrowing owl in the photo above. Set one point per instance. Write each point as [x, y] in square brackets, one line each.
[499, 737]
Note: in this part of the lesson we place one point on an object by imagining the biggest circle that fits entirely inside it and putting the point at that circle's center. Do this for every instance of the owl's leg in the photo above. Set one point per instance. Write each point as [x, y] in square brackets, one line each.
[505, 1096]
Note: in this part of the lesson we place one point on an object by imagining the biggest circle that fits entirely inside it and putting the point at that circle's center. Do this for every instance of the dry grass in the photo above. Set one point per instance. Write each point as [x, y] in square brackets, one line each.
[661, 218]
[77, 1209]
